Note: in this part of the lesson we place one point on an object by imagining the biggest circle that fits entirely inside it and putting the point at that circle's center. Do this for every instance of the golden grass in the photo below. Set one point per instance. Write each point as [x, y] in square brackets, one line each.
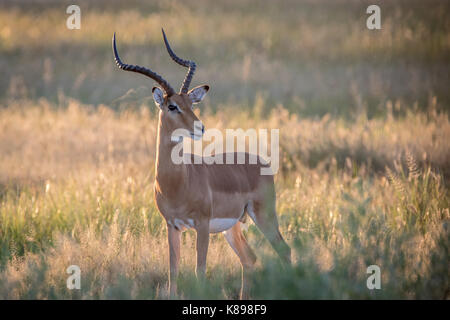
[77, 189]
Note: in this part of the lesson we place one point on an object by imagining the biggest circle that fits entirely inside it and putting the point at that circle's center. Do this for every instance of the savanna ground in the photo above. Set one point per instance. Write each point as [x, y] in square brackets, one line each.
[364, 145]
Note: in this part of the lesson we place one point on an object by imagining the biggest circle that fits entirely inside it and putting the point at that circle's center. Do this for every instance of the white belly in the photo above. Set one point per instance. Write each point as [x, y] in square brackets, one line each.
[221, 224]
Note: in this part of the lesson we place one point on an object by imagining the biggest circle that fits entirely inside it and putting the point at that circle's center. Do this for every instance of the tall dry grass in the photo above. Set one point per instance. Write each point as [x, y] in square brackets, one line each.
[77, 189]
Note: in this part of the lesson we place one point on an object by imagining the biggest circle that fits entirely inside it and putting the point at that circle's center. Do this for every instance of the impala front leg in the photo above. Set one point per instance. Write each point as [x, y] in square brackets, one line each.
[174, 236]
[202, 247]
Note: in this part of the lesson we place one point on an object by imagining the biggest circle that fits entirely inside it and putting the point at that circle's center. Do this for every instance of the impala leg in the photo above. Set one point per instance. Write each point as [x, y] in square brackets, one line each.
[202, 248]
[240, 246]
[266, 220]
[174, 236]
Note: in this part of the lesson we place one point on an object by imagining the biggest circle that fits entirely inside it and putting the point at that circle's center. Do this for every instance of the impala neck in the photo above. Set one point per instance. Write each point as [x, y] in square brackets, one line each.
[168, 175]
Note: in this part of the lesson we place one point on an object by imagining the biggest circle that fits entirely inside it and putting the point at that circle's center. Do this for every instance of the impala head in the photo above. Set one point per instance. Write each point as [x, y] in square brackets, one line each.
[176, 109]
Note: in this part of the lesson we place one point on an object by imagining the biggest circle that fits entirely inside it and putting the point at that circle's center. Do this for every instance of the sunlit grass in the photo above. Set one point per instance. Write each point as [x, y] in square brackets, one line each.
[86, 198]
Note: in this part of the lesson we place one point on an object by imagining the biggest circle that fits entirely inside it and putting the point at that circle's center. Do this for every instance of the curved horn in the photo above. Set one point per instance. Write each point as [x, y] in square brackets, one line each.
[147, 72]
[185, 63]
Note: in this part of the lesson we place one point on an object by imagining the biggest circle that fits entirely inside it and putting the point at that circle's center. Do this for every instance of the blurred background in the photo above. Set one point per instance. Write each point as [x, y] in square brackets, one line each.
[314, 57]
[364, 144]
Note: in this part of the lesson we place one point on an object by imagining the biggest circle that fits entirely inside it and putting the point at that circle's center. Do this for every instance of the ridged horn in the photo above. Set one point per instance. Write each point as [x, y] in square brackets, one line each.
[185, 63]
[147, 72]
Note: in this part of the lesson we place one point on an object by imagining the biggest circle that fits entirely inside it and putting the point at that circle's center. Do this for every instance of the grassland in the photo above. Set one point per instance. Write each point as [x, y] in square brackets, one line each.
[364, 128]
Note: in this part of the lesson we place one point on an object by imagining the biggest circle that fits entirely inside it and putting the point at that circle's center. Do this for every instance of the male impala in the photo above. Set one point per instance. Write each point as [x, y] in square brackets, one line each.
[207, 197]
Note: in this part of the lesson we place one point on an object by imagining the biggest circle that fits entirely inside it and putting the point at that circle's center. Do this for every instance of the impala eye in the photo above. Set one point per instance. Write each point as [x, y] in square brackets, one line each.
[172, 107]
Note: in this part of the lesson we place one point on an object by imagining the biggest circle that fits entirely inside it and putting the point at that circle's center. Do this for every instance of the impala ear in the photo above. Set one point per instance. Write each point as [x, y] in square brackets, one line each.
[158, 96]
[198, 93]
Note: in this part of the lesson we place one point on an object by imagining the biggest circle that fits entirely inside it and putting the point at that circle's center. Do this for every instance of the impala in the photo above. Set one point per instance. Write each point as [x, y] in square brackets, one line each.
[209, 198]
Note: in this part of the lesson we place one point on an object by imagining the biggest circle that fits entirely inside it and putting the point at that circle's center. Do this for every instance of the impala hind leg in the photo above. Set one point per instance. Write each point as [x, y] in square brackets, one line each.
[174, 237]
[265, 218]
[240, 246]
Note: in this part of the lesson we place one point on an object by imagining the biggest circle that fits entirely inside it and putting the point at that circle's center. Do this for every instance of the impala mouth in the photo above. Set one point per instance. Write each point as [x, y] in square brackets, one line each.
[199, 130]
[195, 136]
